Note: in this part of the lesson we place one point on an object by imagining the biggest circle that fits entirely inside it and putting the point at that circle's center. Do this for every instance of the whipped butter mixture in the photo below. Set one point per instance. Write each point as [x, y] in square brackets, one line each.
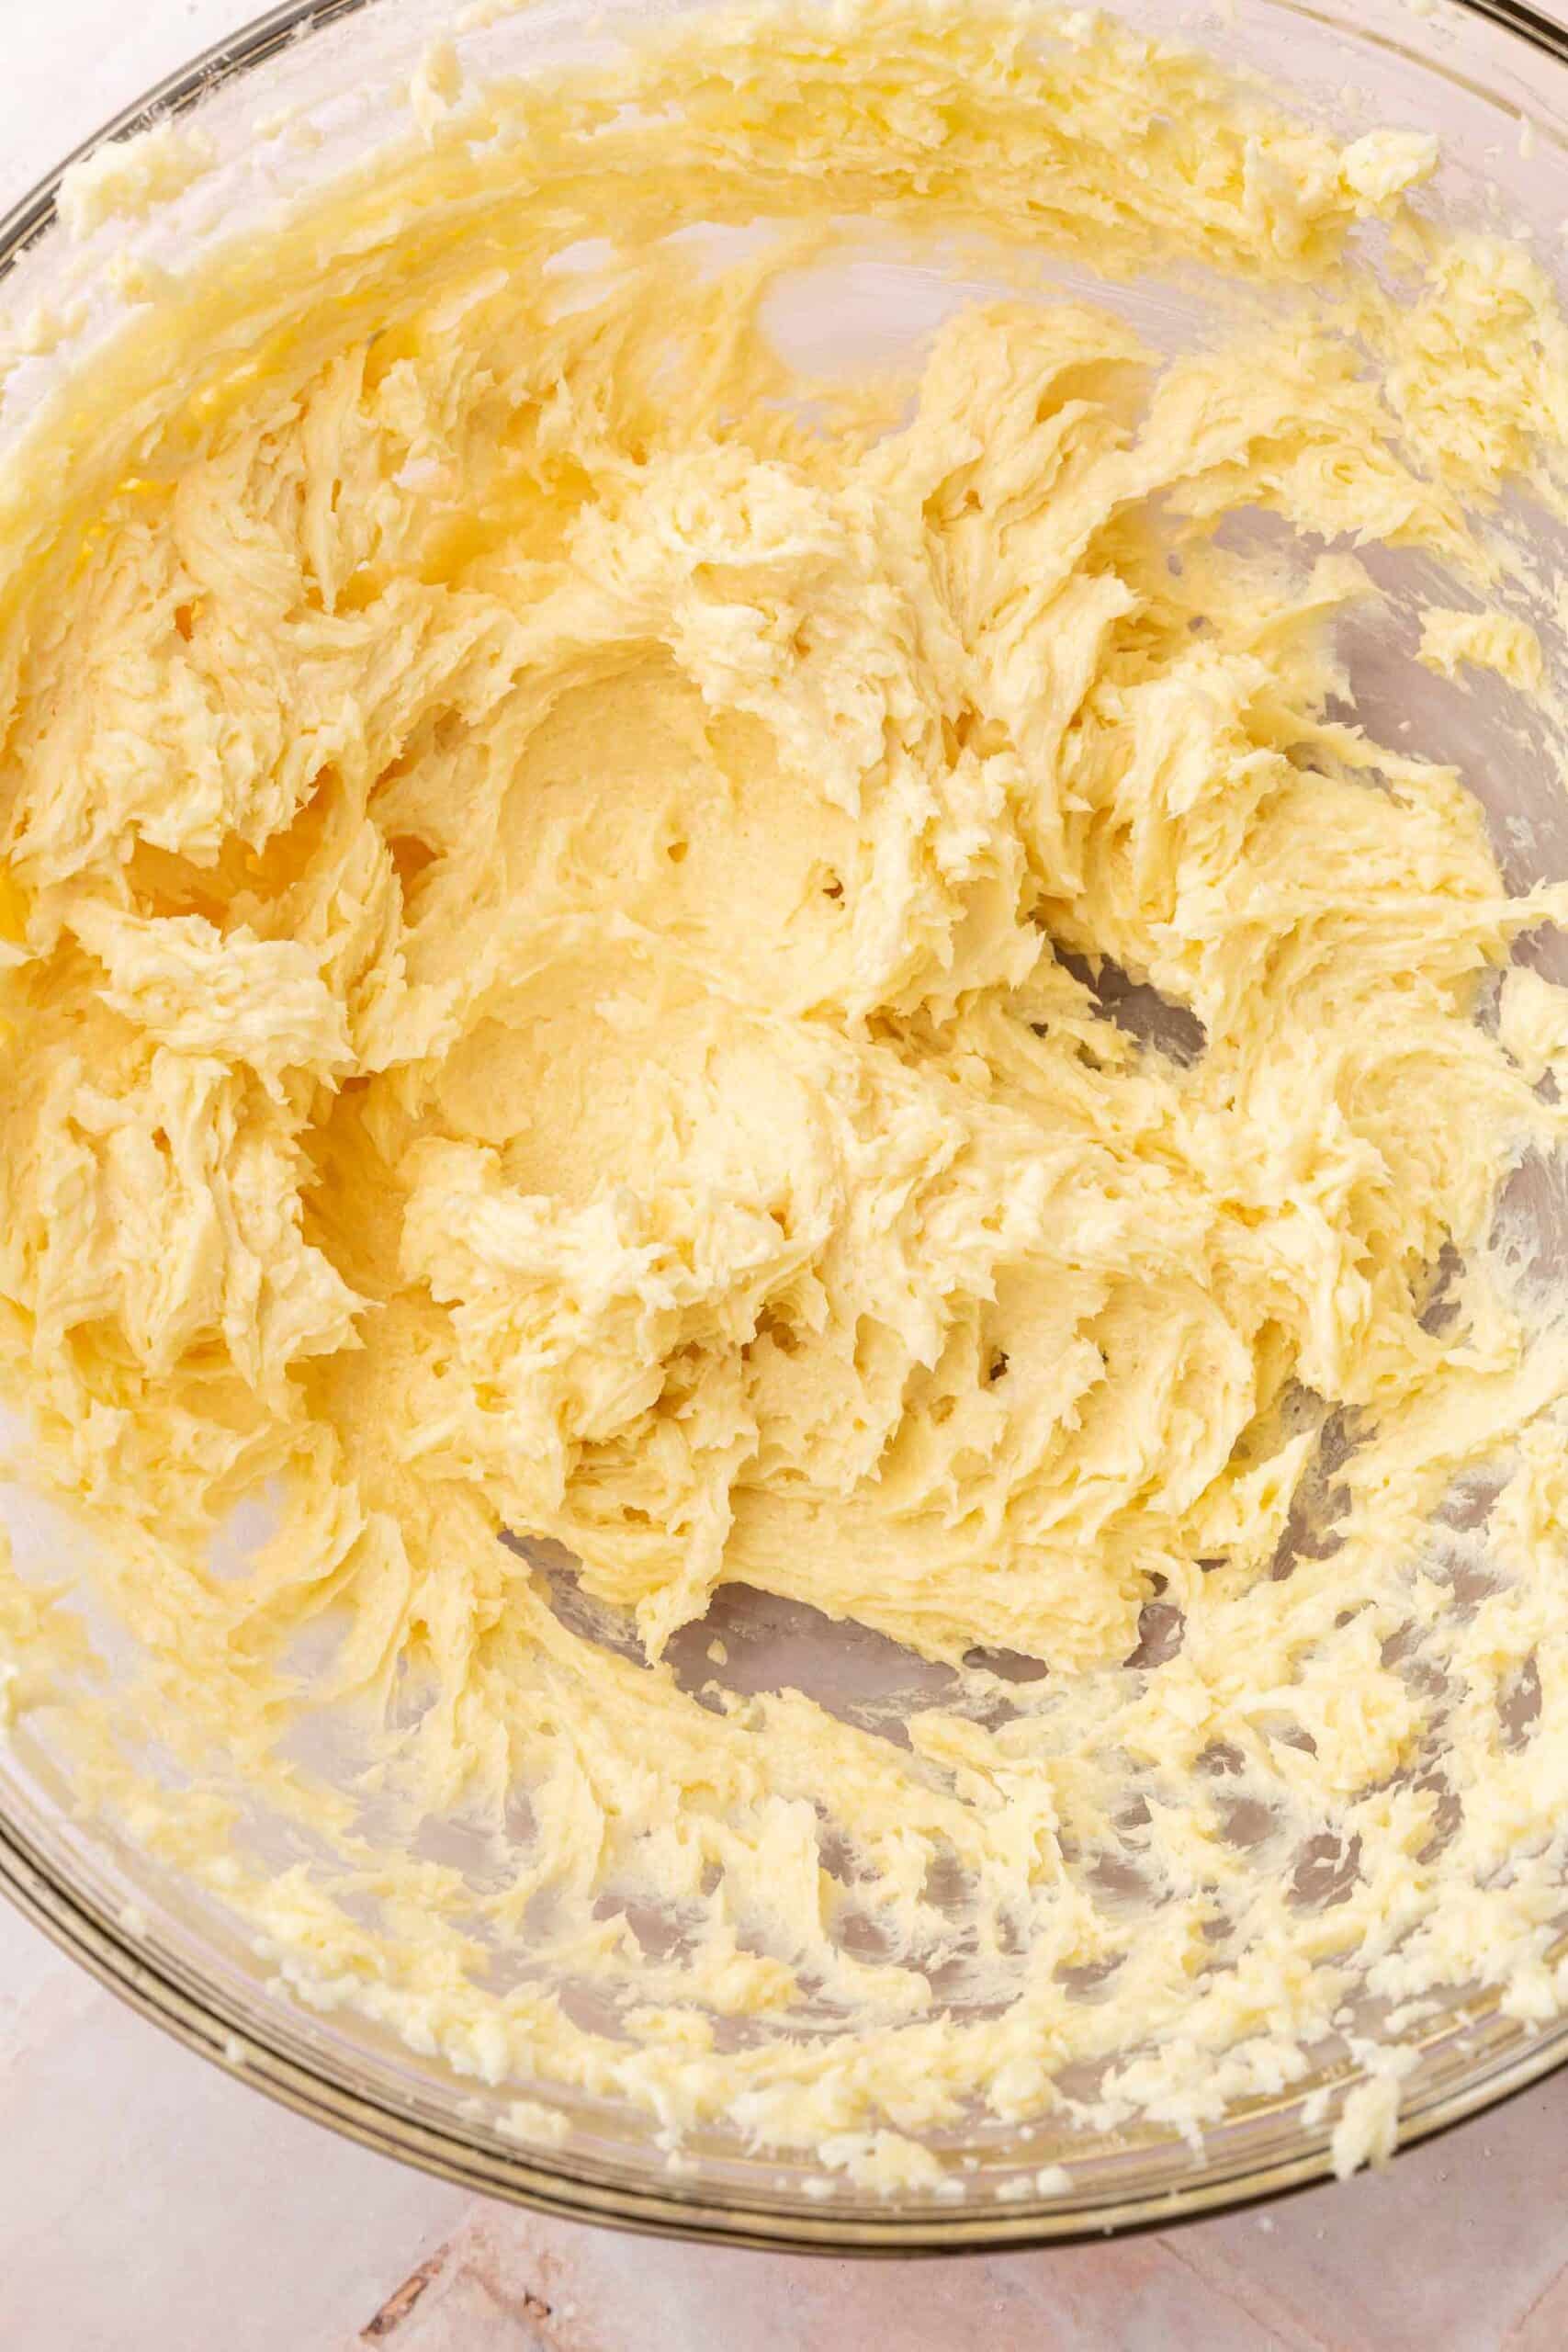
[808, 984]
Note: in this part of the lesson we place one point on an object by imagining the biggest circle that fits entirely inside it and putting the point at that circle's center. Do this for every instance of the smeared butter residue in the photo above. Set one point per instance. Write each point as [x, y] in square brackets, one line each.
[126, 178]
[436, 85]
[1489, 640]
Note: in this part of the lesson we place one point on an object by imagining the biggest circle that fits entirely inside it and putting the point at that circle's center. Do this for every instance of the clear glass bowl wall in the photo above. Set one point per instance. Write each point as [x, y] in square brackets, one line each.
[1492, 81]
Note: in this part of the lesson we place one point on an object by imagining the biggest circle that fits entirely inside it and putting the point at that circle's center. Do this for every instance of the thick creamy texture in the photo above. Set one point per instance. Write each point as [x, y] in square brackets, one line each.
[564, 891]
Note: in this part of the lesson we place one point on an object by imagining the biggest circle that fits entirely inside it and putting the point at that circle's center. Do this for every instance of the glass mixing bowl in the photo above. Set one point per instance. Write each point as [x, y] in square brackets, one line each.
[1491, 78]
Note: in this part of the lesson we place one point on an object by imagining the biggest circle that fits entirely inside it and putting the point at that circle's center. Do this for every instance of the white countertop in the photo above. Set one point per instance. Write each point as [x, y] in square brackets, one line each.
[148, 2204]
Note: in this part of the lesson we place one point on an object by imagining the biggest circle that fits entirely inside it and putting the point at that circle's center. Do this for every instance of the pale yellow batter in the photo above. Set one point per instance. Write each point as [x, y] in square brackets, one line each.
[557, 879]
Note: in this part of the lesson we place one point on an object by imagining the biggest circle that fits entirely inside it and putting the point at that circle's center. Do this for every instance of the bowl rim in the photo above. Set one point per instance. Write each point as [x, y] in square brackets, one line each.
[109, 1948]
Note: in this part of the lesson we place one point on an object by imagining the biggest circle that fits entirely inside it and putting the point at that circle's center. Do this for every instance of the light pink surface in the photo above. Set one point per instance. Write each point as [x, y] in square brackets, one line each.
[148, 2204]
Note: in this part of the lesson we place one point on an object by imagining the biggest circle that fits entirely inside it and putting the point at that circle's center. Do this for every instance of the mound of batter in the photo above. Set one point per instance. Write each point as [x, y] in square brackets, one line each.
[569, 893]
